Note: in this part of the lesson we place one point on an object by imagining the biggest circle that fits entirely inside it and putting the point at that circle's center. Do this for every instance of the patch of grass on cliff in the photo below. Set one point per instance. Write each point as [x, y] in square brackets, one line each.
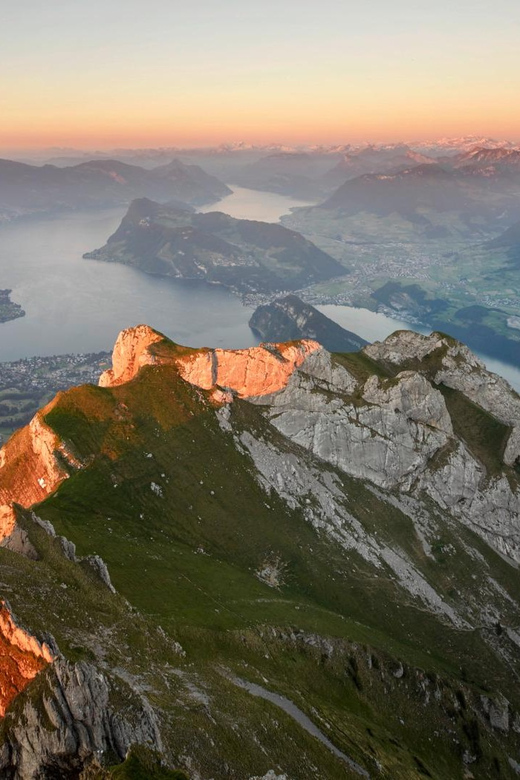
[485, 436]
[361, 366]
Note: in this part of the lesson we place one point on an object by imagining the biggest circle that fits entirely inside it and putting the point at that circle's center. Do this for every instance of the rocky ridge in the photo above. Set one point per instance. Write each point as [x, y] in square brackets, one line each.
[366, 459]
[396, 431]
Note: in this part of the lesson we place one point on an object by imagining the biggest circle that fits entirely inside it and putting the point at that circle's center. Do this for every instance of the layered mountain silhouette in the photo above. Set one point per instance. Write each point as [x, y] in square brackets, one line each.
[102, 183]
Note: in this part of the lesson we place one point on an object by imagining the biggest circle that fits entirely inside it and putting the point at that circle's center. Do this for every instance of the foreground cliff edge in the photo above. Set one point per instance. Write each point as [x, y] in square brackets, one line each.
[341, 530]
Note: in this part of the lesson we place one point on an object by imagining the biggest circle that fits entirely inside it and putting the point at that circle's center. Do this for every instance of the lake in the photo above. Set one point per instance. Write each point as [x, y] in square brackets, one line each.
[244, 203]
[76, 305]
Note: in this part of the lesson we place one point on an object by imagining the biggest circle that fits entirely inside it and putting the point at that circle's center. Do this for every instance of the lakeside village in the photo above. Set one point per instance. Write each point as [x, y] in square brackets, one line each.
[29, 383]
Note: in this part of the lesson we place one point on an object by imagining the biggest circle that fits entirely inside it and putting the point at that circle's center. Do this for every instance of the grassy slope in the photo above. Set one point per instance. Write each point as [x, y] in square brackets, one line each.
[187, 559]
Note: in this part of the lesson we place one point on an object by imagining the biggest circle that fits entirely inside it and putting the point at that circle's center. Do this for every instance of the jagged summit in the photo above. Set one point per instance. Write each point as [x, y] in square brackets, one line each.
[246, 372]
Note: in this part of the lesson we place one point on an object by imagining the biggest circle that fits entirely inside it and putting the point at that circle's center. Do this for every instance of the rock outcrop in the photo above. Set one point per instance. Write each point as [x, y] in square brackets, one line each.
[131, 352]
[246, 372]
[452, 364]
[22, 656]
[74, 724]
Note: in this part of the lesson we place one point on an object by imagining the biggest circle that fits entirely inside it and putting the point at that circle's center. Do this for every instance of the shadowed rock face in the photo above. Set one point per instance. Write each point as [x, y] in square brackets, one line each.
[83, 727]
[290, 318]
[22, 656]
[452, 364]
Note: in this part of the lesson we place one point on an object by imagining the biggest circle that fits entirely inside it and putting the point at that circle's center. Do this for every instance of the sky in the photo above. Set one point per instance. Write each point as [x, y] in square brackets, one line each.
[103, 73]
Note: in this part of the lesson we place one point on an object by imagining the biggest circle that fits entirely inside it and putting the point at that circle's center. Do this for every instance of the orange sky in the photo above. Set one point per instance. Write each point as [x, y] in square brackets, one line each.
[118, 74]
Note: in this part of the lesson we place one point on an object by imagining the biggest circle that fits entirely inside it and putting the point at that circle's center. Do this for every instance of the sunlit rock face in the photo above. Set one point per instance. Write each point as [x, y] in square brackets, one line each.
[32, 464]
[247, 372]
[131, 352]
[21, 658]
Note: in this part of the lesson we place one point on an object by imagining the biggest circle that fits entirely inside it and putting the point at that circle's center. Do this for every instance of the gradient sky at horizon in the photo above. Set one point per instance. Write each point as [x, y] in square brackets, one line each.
[110, 73]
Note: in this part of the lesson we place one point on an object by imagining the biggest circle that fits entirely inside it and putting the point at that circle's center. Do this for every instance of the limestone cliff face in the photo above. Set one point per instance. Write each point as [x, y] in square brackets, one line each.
[387, 433]
[398, 433]
[75, 724]
[131, 352]
[247, 372]
[454, 365]
[32, 464]
[22, 656]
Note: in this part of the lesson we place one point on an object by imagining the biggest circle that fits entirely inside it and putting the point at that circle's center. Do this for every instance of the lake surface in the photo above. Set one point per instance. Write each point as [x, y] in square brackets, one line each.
[76, 305]
[253, 204]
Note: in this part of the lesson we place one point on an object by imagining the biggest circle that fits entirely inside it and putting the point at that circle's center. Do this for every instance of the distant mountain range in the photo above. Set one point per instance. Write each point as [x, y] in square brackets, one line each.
[303, 171]
[467, 195]
[480, 157]
[244, 255]
[467, 189]
[373, 160]
[102, 183]
[298, 174]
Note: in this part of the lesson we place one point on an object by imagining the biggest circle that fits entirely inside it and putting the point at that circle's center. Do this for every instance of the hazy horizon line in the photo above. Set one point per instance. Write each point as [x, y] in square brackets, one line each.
[237, 145]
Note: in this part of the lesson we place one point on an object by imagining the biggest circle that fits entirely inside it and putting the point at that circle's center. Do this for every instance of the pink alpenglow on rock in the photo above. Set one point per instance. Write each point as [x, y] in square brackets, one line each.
[22, 656]
[246, 372]
[129, 354]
